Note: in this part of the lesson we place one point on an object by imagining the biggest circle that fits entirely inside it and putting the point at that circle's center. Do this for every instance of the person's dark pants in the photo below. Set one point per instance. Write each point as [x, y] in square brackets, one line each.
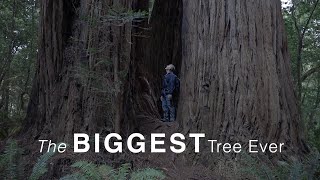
[168, 109]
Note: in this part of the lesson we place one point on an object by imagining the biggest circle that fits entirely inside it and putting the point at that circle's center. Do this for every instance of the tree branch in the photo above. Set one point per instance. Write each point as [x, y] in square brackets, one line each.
[310, 72]
[309, 18]
[295, 20]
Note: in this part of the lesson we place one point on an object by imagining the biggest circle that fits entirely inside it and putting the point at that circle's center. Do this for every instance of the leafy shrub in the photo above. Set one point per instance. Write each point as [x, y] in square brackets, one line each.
[147, 174]
[88, 171]
[10, 165]
[308, 169]
[40, 168]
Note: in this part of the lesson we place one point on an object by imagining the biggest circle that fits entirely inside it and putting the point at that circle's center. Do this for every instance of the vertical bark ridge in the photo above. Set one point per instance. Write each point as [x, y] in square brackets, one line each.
[236, 81]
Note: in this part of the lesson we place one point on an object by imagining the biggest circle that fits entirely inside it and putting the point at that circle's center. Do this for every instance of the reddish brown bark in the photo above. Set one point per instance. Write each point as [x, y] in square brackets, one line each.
[78, 85]
[235, 75]
[236, 81]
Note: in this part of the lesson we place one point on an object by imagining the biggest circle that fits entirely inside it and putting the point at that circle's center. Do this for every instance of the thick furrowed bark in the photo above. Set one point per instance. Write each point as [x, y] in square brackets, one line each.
[72, 91]
[231, 57]
[236, 81]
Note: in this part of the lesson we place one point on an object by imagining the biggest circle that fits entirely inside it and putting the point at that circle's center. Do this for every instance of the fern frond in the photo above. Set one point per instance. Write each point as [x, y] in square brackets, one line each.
[9, 160]
[253, 167]
[89, 170]
[41, 166]
[105, 171]
[148, 174]
[74, 176]
[312, 165]
[296, 171]
[123, 172]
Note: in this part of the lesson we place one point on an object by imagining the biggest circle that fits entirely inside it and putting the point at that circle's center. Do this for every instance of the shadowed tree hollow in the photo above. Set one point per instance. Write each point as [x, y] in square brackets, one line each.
[99, 70]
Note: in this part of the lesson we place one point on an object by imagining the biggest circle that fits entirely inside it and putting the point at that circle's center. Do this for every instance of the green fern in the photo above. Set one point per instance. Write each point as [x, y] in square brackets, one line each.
[307, 169]
[122, 172]
[89, 170]
[10, 167]
[41, 166]
[254, 168]
[147, 174]
[296, 171]
[105, 171]
[282, 171]
[312, 166]
[74, 176]
[92, 171]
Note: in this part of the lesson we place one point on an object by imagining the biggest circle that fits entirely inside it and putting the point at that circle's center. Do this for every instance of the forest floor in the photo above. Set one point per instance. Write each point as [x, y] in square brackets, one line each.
[173, 165]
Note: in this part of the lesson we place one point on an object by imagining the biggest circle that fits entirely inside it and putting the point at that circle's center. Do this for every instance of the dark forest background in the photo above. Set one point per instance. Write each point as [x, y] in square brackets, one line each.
[19, 47]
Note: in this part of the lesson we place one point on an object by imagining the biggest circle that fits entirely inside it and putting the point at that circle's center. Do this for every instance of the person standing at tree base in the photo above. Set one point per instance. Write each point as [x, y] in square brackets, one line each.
[170, 88]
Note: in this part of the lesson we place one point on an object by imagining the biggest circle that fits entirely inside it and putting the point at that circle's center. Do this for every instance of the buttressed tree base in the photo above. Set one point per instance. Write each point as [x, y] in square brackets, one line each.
[100, 74]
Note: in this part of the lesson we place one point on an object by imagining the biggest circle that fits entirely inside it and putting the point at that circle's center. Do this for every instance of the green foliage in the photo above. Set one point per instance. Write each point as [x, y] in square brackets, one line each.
[10, 124]
[296, 171]
[147, 174]
[308, 169]
[299, 18]
[254, 167]
[105, 171]
[122, 172]
[40, 168]
[10, 165]
[18, 40]
[123, 14]
[88, 171]
[116, 14]
[74, 176]
[314, 137]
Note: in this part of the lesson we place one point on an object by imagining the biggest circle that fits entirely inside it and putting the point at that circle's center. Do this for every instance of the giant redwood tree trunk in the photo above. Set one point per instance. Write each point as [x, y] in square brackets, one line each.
[96, 73]
[84, 54]
[236, 81]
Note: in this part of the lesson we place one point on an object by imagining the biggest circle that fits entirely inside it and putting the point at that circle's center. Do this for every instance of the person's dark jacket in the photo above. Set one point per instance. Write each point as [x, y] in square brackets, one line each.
[168, 84]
